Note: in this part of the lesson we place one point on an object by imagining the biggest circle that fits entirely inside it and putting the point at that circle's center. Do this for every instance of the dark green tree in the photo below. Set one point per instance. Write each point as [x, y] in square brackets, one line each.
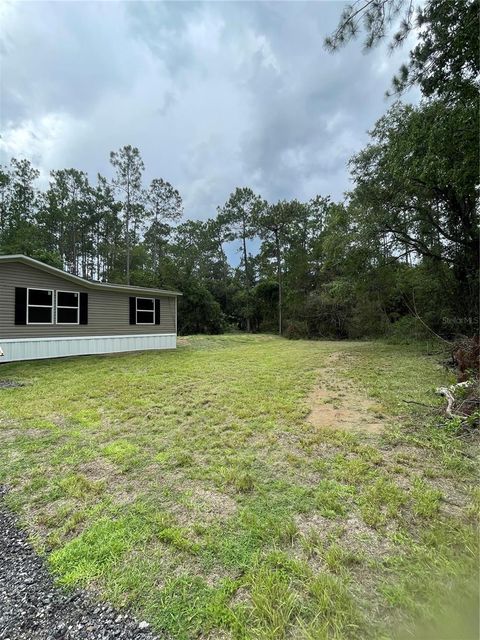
[446, 61]
[238, 216]
[129, 168]
[107, 231]
[164, 204]
[67, 215]
[273, 224]
[416, 187]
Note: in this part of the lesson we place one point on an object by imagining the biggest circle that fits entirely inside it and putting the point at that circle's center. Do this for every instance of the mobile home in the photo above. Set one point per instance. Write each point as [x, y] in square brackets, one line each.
[46, 313]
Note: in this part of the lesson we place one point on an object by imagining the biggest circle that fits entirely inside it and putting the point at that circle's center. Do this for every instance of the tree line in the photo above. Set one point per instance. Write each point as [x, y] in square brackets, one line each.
[400, 253]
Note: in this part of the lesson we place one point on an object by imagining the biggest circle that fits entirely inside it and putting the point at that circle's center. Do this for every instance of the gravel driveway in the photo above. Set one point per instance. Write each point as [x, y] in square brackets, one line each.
[33, 608]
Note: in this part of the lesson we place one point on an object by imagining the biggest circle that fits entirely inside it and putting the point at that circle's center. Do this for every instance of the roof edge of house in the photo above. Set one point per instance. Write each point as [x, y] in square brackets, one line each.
[86, 283]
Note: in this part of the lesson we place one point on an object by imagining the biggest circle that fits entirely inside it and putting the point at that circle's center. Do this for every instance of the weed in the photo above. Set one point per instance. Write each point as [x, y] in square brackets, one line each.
[381, 502]
[336, 614]
[332, 498]
[274, 604]
[426, 501]
[122, 452]
[241, 480]
[338, 558]
[78, 486]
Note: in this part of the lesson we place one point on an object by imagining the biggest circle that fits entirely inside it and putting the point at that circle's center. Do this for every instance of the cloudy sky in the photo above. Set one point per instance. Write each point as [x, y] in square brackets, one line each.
[215, 95]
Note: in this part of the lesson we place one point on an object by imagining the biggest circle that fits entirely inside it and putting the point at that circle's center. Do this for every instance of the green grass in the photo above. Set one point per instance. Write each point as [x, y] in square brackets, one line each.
[190, 487]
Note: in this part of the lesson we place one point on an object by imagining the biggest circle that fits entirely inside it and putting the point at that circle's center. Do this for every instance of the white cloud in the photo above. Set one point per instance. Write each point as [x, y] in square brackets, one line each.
[215, 95]
[40, 140]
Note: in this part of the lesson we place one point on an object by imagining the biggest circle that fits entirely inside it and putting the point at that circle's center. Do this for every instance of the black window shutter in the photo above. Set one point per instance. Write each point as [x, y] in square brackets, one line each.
[84, 308]
[157, 311]
[20, 305]
[133, 309]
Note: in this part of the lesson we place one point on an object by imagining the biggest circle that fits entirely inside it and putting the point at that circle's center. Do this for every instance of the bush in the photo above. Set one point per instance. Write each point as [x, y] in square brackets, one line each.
[296, 330]
[198, 311]
[326, 317]
[366, 320]
[407, 330]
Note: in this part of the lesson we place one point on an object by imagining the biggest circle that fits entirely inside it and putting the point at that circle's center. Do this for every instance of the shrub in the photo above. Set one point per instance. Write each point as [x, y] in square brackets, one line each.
[407, 330]
[296, 330]
[198, 311]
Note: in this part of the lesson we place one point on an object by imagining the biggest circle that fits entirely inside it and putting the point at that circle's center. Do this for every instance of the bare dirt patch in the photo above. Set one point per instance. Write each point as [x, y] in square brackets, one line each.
[212, 503]
[98, 469]
[337, 404]
[10, 435]
[203, 505]
[352, 533]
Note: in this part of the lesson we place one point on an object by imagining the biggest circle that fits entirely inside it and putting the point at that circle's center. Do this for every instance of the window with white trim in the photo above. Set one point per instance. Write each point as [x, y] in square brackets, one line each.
[145, 311]
[39, 306]
[68, 307]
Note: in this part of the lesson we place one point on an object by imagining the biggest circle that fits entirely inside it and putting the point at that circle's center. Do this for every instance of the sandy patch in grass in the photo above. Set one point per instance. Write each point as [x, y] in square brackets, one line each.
[213, 504]
[352, 533]
[336, 404]
[202, 505]
[360, 537]
[240, 597]
[305, 523]
[353, 414]
[168, 564]
[98, 469]
[10, 435]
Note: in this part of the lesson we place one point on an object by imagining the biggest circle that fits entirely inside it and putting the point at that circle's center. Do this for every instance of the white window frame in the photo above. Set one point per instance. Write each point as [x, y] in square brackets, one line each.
[62, 306]
[39, 306]
[152, 311]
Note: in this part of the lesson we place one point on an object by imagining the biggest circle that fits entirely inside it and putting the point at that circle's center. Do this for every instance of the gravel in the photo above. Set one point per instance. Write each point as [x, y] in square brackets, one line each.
[33, 608]
[10, 384]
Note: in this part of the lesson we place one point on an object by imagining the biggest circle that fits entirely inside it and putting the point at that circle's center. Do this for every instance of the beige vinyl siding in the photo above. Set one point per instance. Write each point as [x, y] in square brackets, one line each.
[108, 311]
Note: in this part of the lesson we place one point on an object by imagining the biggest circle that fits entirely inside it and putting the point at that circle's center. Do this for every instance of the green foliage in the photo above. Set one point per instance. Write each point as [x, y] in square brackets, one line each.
[337, 616]
[363, 269]
[296, 329]
[446, 59]
[407, 330]
[426, 500]
[274, 604]
[198, 310]
[381, 501]
[426, 154]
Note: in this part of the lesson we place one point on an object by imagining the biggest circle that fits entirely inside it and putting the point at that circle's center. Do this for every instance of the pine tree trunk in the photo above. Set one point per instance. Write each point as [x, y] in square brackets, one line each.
[279, 277]
[247, 275]
[127, 238]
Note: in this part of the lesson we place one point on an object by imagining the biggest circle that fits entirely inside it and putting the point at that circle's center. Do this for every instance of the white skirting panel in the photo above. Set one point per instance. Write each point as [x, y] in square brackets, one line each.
[35, 348]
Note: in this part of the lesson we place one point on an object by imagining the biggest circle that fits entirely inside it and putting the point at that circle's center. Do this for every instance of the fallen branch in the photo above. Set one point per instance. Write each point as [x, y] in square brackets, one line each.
[449, 394]
[446, 393]
[422, 404]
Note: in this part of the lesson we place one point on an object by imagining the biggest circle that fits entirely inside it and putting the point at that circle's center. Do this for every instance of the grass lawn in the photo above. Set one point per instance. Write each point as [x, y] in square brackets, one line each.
[193, 487]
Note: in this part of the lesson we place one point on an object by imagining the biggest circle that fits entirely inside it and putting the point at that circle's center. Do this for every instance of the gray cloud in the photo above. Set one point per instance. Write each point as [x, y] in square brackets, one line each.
[215, 95]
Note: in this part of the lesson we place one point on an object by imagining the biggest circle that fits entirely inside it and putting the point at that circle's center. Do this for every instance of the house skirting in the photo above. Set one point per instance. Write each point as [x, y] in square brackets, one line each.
[35, 348]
